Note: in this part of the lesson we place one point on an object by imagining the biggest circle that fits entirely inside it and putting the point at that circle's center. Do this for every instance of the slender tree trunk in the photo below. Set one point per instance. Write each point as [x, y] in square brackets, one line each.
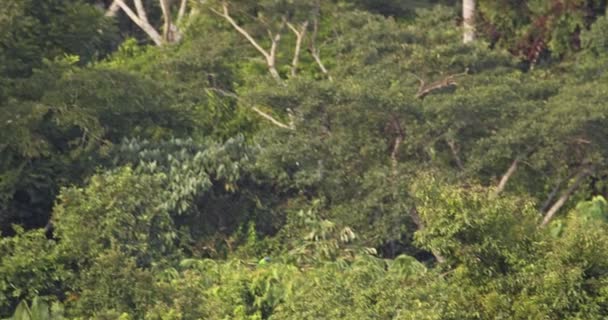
[505, 178]
[170, 32]
[565, 196]
[164, 5]
[300, 33]
[468, 17]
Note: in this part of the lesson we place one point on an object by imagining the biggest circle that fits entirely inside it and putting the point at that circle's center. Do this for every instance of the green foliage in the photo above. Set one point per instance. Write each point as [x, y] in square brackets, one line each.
[29, 267]
[406, 181]
[532, 28]
[60, 120]
[467, 227]
[113, 285]
[35, 30]
[39, 310]
[113, 212]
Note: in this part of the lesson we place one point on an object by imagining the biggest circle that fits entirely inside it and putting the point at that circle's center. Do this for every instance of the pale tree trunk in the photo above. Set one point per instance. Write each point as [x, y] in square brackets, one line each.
[300, 33]
[468, 23]
[170, 32]
[578, 179]
[505, 177]
[316, 52]
[139, 16]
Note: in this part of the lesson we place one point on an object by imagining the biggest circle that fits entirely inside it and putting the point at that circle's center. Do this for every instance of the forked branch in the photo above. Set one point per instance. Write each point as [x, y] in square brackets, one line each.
[315, 52]
[269, 55]
[140, 18]
[300, 34]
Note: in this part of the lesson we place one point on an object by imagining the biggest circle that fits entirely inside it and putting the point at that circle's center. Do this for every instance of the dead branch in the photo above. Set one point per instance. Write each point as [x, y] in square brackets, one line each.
[112, 10]
[270, 55]
[505, 177]
[271, 119]
[256, 110]
[316, 52]
[578, 179]
[300, 33]
[182, 11]
[167, 23]
[141, 10]
[140, 19]
[424, 89]
[454, 149]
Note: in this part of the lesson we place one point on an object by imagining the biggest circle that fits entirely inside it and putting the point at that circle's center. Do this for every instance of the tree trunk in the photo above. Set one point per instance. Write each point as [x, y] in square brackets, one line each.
[468, 23]
[562, 200]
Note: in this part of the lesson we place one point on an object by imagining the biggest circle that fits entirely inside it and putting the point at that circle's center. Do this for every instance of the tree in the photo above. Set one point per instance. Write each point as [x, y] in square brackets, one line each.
[170, 32]
[468, 20]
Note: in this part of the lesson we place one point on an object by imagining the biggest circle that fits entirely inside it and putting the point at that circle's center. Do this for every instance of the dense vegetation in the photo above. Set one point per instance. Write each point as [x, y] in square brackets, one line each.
[303, 160]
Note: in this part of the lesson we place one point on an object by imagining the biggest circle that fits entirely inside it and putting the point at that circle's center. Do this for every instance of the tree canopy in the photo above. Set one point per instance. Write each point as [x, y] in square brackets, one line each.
[303, 159]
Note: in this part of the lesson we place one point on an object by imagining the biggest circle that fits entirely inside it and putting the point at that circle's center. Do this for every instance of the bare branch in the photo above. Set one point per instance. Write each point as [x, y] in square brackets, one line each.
[316, 52]
[300, 33]
[182, 11]
[112, 10]
[505, 177]
[454, 149]
[420, 80]
[141, 10]
[258, 111]
[225, 14]
[142, 23]
[448, 81]
[396, 144]
[578, 179]
[269, 56]
[164, 6]
[273, 120]
[273, 50]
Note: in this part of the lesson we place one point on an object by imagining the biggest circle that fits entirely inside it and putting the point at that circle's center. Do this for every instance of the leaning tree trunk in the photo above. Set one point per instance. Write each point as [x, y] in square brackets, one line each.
[468, 17]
